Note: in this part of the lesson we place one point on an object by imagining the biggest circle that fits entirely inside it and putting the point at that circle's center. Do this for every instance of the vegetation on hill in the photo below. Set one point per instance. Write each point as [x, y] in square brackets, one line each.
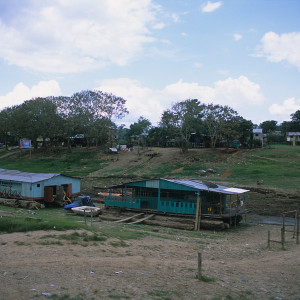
[277, 167]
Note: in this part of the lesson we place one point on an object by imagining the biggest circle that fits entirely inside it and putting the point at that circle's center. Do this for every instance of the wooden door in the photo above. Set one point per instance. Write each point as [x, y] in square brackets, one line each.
[48, 194]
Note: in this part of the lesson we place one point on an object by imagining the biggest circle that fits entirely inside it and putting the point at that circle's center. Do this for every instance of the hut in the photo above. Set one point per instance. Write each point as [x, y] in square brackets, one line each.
[37, 186]
[180, 196]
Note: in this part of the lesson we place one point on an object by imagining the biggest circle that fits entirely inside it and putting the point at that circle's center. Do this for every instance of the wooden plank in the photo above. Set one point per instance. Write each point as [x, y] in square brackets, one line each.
[141, 220]
[129, 218]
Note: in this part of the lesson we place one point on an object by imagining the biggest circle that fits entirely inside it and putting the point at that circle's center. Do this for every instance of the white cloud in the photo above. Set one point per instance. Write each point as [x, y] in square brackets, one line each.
[237, 36]
[237, 93]
[21, 92]
[223, 72]
[160, 25]
[283, 111]
[211, 6]
[141, 101]
[175, 17]
[278, 48]
[71, 36]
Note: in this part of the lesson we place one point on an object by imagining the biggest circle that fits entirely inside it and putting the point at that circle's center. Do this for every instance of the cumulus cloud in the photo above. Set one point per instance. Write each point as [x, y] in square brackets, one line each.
[237, 36]
[143, 101]
[236, 92]
[71, 36]
[278, 48]
[21, 92]
[211, 6]
[283, 111]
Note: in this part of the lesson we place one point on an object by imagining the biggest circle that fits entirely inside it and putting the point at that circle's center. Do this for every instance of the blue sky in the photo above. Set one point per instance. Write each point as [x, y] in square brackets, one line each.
[153, 53]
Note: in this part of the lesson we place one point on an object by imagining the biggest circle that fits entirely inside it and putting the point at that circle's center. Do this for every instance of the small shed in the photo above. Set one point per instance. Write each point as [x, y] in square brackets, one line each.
[258, 134]
[293, 138]
[179, 196]
[37, 186]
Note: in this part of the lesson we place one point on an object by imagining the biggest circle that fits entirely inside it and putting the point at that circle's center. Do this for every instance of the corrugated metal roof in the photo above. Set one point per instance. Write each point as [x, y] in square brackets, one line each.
[14, 175]
[198, 185]
[207, 186]
[258, 130]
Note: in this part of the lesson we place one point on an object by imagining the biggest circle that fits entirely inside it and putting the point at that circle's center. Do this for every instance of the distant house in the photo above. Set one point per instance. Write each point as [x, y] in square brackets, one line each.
[293, 138]
[36, 186]
[258, 134]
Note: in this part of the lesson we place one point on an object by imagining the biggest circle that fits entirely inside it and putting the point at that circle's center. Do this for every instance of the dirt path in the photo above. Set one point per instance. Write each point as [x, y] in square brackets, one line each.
[161, 265]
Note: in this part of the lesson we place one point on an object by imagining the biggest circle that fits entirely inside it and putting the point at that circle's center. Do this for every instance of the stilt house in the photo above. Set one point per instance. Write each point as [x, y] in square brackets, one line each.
[179, 196]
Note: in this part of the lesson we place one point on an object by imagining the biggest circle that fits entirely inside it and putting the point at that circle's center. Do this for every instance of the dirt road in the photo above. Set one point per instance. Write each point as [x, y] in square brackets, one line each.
[236, 264]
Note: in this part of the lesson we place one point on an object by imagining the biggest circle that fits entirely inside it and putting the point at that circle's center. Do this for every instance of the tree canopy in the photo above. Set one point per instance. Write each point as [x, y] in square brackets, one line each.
[92, 114]
[182, 119]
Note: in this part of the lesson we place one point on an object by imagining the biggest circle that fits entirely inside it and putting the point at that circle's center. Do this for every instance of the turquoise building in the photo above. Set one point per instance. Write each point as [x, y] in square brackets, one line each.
[179, 196]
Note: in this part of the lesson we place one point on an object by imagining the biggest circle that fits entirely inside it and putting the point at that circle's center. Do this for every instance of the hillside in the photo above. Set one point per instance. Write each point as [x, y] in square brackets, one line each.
[277, 167]
[243, 168]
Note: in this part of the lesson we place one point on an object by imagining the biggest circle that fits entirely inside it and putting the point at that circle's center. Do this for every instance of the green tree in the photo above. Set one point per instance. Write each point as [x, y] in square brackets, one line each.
[139, 130]
[6, 123]
[36, 118]
[86, 110]
[221, 122]
[246, 131]
[158, 136]
[184, 118]
[268, 126]
[295, 121]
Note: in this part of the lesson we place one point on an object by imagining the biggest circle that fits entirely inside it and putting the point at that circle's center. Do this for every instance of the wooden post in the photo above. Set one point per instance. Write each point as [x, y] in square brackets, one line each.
[235, 220]
[297, 235]
[200, 212]
[199, 265]
[221, 204]
[91, 218]
[197, 212]
[283, 222]
[295, 224]
[84, 216]
[282, 238]
[269, 237]
[230, 211]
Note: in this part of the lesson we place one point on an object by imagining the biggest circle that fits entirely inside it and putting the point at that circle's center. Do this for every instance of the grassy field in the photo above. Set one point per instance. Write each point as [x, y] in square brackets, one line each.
[59, 219]
[278, 167]
[79, 162]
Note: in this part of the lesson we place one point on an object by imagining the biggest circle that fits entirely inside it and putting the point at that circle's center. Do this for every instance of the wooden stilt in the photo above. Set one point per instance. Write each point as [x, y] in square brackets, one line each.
[197, 213]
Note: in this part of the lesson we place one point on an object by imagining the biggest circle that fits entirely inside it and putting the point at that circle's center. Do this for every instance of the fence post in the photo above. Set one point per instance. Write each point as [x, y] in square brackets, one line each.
[282, 237]
[297, 236]
[269, 237]
[199, 265]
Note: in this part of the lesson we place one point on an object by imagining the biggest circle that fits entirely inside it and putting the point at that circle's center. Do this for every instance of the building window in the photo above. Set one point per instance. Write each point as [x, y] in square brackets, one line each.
[38, 185]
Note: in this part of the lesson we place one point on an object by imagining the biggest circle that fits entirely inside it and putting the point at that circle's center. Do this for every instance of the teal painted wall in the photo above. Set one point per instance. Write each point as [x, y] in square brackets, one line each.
[169, 197]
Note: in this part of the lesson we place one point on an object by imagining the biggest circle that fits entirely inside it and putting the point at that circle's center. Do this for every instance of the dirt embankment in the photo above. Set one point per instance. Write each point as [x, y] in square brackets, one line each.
[236, 264]
[130, 166]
